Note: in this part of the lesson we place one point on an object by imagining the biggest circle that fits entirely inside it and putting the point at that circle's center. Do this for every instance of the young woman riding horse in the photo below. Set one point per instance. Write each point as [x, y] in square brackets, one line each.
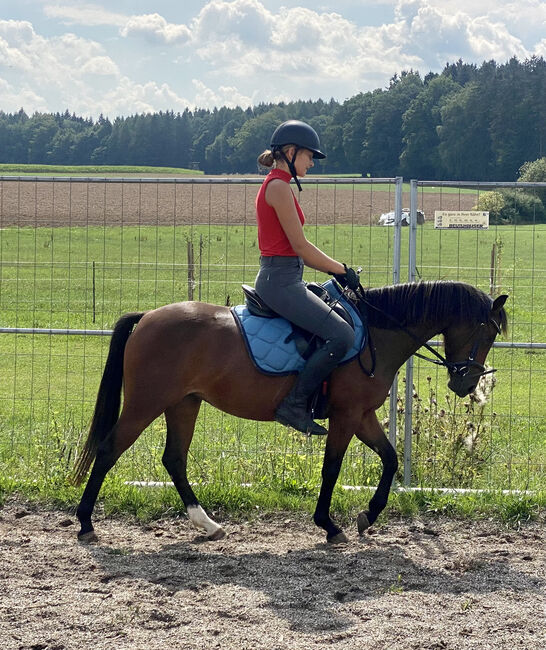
[284, 252]
[171, 359]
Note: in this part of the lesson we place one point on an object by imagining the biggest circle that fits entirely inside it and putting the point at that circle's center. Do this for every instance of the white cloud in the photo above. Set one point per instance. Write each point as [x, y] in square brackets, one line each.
[84, 14]
[101, 65]
[245, 20]
[50, 73]
[224, 96]
[15, 98]
[128, 97]
[540, 49]
[58, 60]
[242, 52]
[438, 35]
[17, 31]
[489, 40]
[155, 28]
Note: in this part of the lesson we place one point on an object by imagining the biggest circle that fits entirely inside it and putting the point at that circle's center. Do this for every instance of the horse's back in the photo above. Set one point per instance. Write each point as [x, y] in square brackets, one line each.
[180, 333]
[194, 348]
[184, 317]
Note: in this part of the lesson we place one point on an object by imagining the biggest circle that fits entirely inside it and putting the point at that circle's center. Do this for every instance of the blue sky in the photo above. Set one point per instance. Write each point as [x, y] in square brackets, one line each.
[126, 57]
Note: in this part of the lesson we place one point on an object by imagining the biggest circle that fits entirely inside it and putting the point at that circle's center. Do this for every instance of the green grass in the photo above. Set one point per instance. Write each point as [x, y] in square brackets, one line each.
[87, 277]
[92, 170]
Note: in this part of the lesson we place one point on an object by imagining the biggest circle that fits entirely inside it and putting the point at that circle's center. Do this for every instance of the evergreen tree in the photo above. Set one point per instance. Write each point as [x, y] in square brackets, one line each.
[383, 143]
[420, 157]
[465, 144]
[466, 123]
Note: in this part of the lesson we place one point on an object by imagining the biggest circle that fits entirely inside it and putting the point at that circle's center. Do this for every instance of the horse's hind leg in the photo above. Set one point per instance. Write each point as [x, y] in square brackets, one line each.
[180, 426]
[121, 437]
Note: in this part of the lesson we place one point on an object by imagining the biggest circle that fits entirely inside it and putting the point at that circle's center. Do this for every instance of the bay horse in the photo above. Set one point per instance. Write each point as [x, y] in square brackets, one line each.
[168, 360]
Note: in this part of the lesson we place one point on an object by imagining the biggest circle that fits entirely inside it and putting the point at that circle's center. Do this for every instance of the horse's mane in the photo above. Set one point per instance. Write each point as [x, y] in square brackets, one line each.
[414, 303]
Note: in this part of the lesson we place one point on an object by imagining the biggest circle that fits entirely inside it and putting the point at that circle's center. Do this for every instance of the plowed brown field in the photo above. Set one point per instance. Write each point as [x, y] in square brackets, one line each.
[61, 203]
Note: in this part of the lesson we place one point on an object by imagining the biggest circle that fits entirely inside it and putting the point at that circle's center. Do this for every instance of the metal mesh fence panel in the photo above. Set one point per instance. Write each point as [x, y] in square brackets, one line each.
[495, 438]
[75, 254]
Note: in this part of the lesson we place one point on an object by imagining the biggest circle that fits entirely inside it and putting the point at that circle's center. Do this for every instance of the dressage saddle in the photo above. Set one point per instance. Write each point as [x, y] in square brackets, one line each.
[305, 341]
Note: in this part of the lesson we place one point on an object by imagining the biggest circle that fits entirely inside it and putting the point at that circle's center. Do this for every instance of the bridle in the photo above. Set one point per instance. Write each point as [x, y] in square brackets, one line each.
[457, 369]
[461, 368]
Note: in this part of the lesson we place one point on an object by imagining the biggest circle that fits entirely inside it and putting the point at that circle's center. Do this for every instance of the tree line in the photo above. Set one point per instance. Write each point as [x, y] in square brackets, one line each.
[468, 122]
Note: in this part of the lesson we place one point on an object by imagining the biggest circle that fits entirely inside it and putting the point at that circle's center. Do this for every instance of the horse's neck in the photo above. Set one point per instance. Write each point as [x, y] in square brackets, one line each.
[394, 347]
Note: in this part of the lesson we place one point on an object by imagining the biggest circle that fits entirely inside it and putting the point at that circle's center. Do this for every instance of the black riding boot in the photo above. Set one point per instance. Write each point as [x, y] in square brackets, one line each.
[293, 410]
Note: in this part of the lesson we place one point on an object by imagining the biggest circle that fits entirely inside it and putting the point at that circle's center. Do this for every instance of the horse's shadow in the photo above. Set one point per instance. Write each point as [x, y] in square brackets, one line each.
[310, 585]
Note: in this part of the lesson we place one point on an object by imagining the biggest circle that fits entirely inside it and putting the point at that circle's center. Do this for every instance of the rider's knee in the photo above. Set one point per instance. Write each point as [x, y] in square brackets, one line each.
[341, 343]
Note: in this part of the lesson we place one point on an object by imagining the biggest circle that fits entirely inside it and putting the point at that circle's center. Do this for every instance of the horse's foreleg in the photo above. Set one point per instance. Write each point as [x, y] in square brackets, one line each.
[336, 446]
[180, 426]
[371, 433]
[120, 438]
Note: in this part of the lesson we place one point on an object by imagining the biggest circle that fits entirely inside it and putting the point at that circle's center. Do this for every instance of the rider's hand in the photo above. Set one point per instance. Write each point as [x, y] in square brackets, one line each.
[348, 279]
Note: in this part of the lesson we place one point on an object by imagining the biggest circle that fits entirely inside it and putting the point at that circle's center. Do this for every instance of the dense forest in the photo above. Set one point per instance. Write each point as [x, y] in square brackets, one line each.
[466, 123]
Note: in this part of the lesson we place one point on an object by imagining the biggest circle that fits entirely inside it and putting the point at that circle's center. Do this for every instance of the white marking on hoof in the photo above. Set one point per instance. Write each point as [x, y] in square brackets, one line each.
[201, 520]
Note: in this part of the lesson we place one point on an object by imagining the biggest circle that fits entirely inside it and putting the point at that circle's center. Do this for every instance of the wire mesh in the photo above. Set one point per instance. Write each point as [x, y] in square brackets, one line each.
[494, 439]
[77, 253]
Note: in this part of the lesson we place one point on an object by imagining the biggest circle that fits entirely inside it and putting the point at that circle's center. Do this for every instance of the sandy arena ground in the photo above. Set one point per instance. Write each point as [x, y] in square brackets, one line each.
[272, 584]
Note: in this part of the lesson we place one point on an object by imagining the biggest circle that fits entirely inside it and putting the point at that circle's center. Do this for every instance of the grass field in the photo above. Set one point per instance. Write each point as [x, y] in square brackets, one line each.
[86, 277]
[92, 170]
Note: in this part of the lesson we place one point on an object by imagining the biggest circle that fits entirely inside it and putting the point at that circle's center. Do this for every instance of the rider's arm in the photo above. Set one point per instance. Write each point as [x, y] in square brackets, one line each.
[279, 196]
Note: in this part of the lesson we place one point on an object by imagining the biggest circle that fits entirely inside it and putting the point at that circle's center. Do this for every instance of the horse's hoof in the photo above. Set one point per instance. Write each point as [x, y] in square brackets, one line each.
[362, 522]
[216, 535]
[340, 538]
[88, 538]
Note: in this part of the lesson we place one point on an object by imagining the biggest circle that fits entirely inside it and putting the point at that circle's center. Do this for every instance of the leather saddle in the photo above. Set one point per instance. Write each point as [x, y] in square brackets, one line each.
[306, 342]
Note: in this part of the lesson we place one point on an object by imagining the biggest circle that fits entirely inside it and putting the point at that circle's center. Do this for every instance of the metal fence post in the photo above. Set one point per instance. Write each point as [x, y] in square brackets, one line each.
[395, 280]
[408, 409]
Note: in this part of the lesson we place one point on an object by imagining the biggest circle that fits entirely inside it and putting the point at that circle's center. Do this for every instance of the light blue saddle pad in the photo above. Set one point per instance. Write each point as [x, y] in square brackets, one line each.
[270, 345]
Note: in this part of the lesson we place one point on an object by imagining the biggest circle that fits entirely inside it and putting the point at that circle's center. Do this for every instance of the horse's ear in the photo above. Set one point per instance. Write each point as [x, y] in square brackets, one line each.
[499, 302]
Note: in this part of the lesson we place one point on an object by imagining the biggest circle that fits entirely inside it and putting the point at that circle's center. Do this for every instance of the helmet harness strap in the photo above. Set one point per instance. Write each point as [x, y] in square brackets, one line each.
[291, 165]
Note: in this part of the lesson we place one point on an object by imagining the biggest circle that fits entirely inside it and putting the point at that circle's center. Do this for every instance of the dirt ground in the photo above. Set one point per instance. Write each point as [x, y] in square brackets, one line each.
[272, 583]
[60, 203]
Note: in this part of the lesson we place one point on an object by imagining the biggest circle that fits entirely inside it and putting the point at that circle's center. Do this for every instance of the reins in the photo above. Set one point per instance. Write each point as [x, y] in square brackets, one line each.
[459, 368]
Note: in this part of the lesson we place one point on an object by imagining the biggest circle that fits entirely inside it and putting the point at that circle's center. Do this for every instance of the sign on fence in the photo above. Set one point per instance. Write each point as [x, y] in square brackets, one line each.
[465, 219]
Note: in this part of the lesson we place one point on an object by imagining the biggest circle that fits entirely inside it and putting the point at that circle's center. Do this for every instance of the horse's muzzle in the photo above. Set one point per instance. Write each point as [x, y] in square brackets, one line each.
[464, 377]
[463, 385]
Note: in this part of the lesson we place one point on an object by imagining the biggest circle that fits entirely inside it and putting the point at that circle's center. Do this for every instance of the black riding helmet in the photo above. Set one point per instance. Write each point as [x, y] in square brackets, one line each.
[300, 134]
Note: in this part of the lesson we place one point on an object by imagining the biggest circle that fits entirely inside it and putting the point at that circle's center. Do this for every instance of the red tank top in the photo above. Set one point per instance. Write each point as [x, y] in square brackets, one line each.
[271, 237]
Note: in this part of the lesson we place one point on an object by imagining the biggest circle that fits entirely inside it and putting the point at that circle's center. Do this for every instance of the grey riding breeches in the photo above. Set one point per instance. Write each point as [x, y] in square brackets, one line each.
[280, 285]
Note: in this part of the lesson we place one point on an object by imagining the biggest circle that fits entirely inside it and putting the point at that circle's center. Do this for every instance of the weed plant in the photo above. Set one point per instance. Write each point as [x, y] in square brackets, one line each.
[450, 436]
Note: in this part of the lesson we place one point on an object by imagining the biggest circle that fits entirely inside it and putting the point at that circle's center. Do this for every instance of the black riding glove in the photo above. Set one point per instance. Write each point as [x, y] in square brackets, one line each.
[348, 279]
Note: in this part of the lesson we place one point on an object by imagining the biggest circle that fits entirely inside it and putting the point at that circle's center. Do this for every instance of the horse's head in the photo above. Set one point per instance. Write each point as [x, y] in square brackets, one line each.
[467, 346]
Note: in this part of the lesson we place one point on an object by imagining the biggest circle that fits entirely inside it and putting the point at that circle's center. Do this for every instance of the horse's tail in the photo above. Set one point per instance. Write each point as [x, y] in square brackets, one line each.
[109, 396]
